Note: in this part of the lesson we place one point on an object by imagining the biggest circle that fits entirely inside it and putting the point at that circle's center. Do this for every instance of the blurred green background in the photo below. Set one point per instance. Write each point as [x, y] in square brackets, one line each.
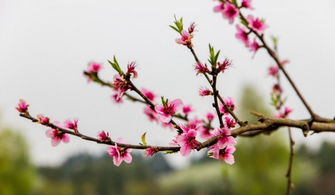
[260, 168]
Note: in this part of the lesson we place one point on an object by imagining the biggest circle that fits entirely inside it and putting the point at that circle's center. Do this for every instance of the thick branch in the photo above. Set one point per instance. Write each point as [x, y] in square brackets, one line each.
[267, 124]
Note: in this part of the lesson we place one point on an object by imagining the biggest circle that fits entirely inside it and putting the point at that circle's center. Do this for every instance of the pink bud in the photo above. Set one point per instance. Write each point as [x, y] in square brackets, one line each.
[22, 106]
[43, 119]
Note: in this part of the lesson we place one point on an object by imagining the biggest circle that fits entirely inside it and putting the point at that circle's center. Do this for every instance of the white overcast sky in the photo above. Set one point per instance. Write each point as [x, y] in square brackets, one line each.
[45, 45]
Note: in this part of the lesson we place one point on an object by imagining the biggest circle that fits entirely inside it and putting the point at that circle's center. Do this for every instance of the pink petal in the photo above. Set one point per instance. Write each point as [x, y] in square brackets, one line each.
[165, 118]
[127, 158]
[49, 133]
[177, 103]
[229, 158]
[55, 141]
[66, 138]
[185, 150]
[117, 161]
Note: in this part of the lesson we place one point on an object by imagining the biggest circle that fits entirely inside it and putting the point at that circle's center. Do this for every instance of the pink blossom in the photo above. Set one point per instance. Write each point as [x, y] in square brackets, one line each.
[205, 132]
[119, 154]
[230, 104]
[205, 92]
[201, 68]
[94, 67]
[210, 116]
[224, 65]
[22, 106]
[230, 123]
[149, 94]
[273, 71]
[254, 46]
[167, 125]
[256, 24]
[276, 89]
[219, 8]
[246, 4]
[187, 109]
[242, 35]
[166, 111]
[117, 97]
[191, 28]
[43, 119]
[185, 39]
[225, 154]
[284, 114]
[104, 136]
[150, 151]
[195, 123]
[152, 114]
[224, 137]
[71, 124]
[57, 136]
[120, 86]
[131, 69]
[187, 142]
[230, 12]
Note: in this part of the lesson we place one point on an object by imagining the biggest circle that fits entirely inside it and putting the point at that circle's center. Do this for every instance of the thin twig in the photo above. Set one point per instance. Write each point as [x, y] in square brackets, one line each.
[290, 164]
[231, 112]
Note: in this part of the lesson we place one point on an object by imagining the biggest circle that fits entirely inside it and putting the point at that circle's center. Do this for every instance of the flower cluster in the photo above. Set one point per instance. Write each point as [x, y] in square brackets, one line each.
[225, 146]
[185, 35]
[230, 10]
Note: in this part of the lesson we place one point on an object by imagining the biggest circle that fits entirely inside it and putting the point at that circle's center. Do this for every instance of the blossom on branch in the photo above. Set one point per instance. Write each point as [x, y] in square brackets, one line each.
[150, 151]
[57, 136]
[187, 141]
[205, 92]
[246, 4]
[149, 94]
[71, 124]
[151, 114]
[256, 24]
[104, 136]
[42, 119]
[168, 109]
[185, 39]
[187, 109]
[131, 69]
[119, 154]
[22, 106]
[201, 68]
[230, 104]
[224, 137]
[94, 67]
[225, 154]
[242, 35]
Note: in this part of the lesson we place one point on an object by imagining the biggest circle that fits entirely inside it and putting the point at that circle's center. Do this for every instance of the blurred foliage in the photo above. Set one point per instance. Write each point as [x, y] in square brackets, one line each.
[322, 180]
[261, 161]
[84, 174]
[200, 179]
[17, 175]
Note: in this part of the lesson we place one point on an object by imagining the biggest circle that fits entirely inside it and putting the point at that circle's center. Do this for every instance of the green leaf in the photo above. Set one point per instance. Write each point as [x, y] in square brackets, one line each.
[174, 28]
[235, 3]
[244, 22]
[144, 142]
[116, 65]
[169, 152]
[213, 57]
[274, 41]
[178, 25]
